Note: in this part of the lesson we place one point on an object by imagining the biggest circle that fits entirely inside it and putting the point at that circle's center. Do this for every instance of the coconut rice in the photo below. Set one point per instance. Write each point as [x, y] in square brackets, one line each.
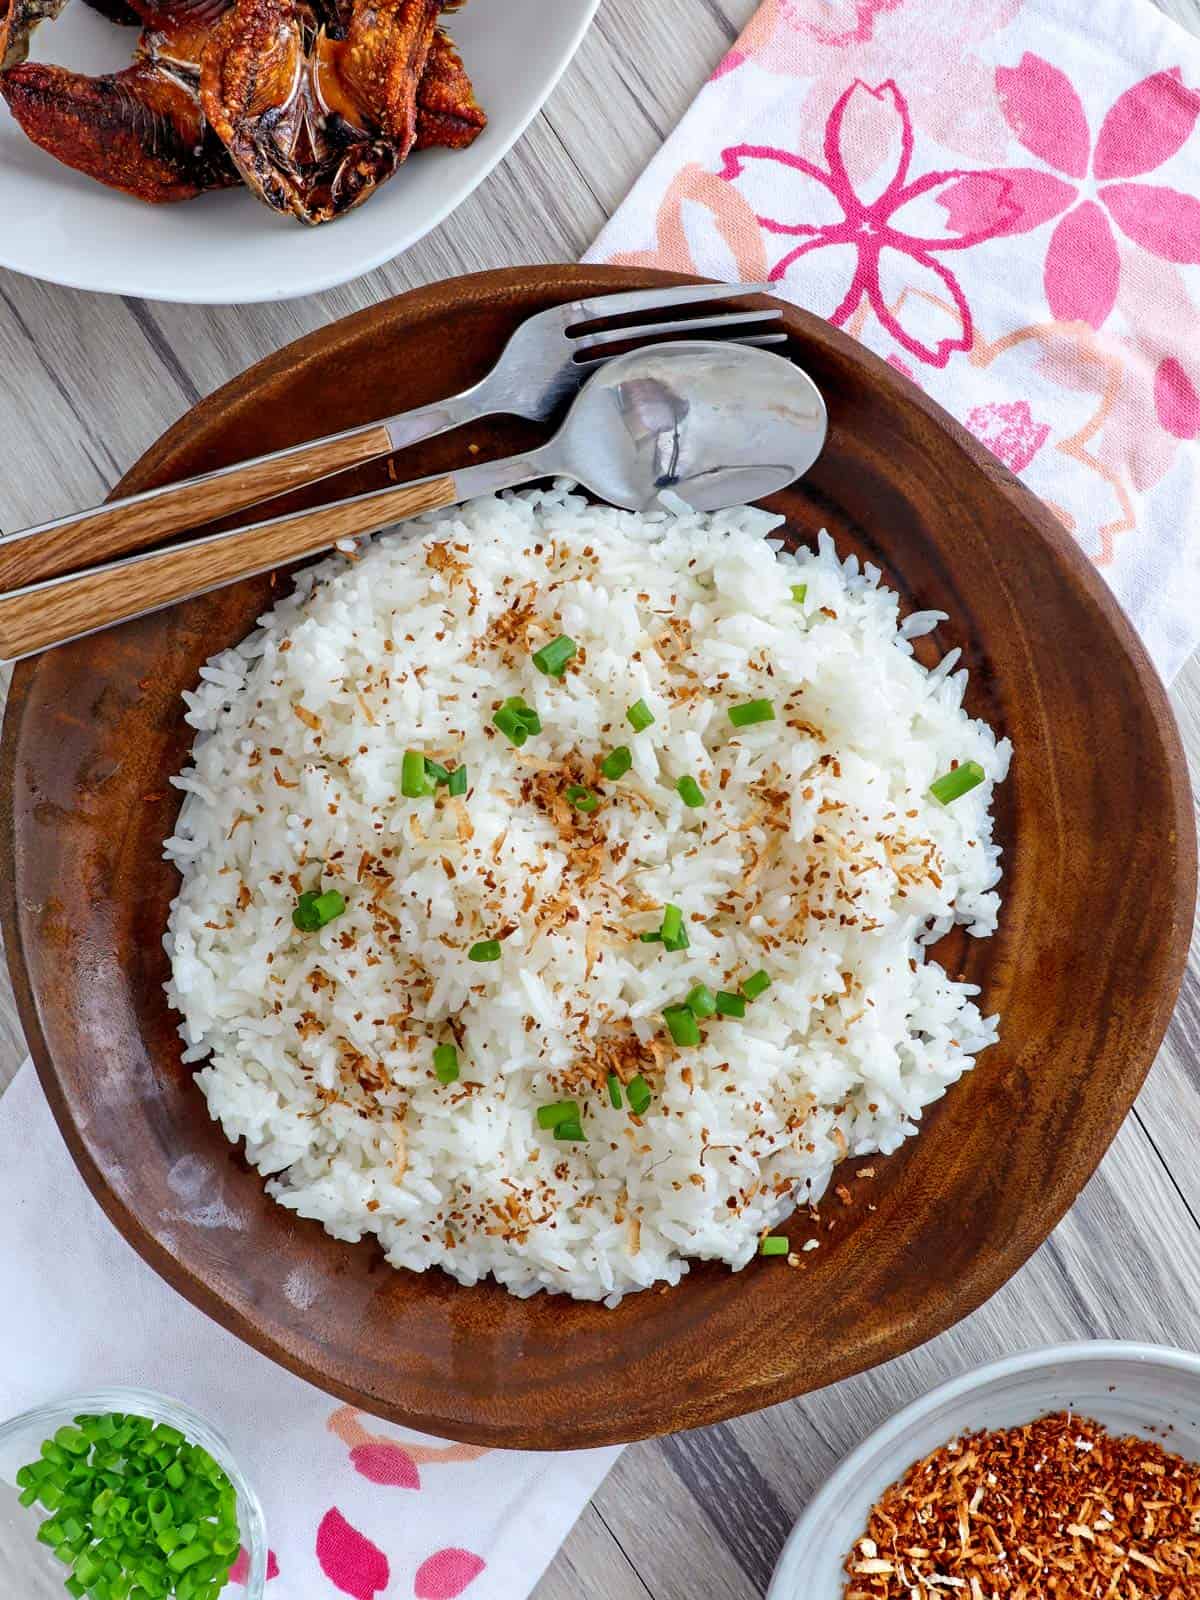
[819, 857]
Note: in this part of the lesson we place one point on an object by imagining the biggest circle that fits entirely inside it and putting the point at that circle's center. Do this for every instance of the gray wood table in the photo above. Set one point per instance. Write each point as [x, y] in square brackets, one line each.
[89, 382]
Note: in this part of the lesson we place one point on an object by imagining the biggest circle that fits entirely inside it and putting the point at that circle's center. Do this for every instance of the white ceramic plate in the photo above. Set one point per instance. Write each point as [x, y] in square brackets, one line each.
[1130, 1388]
[228, 248]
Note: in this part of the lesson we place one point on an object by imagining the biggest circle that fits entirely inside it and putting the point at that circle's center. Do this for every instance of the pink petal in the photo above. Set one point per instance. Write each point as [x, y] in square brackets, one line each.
[1003, 201]
[1164, 221]
[920, 304]
[868, 144]
[832, 286]
[728, 63]
[1082, 266]
[446, 1574]
[385, 1462]
[1009, 431]
[1176, 400]
[1045, 113]
[786, 193]
[348, 1558]
[1145, 126]
[240, 1570]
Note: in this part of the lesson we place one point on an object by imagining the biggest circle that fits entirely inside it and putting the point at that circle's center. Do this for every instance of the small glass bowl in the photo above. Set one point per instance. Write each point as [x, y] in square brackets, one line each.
[30, 1562]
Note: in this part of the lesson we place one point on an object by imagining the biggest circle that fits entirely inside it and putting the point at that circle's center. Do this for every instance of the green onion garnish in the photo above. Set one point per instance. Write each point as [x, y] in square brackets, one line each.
[516, 720]
[571, 1129]
[799, 593]
[638, 1091]
[549, 1116]
[750, 712]
[639, 716]
[484, 950]
[684, 1029]
[617, 763]
[113, 1521]
[445, 1063]
[436, 771]
[457, 781]
[614, 1091]
[958, 781]
[757, 983]
[673, 930]
[651, 936]
[690, 792]
[701, 1001]
[730, 1005]
[414, 780]
[583, 798]
[552, 658]
[314, 910]
[774, 1244]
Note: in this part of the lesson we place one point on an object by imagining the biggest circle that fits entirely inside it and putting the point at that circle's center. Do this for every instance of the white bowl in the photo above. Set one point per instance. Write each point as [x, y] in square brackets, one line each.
[229, 248]
[1130, 1388]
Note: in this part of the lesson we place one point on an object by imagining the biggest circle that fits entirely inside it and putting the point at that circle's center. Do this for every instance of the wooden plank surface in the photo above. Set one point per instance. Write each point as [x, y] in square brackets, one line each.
[89, 382]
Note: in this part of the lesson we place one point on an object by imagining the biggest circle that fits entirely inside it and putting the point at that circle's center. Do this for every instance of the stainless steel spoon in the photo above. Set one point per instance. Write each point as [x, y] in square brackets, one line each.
[713, 425]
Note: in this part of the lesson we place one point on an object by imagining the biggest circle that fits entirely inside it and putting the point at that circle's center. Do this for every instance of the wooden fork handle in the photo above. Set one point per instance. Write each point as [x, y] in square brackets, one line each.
[50, 613]
[123, 526]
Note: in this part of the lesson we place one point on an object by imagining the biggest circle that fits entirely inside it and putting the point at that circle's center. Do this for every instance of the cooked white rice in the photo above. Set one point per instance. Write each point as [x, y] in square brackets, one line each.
[819, 857]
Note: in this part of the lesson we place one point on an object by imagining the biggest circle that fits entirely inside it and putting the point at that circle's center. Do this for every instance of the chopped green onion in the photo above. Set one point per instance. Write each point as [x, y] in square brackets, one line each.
[445, 1063]
[690, 792]
[617, 763]
[552, 658]
[414, 780]
[516, 720]
[757, 983]
[684, 1028]
[485, 950]
[638, 1091]
[701, 1001]
[457, 781]
[651, 936]
[958, 781]
[549, 1116]
[730, 1005]
[672, 929]
[614, 1091]
[436, 771]
[639, 716]
[750, 712]
[774, 1244]
[314, 910]
[799, 593]
[572, 1128]
[582, 798]
[73, 1440]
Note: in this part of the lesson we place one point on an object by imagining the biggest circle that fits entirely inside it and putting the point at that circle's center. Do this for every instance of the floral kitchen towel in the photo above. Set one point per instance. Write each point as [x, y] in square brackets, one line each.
[1000, 197]
[355, 1507]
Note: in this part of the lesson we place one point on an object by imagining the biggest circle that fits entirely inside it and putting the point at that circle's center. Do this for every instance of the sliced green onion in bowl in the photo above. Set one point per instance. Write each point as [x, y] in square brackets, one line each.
[958, 781]
[750, 712]
[617, 763]
[552, 658]
[445, 1063]
[690, 792]
[638, 1091]
[639, 716]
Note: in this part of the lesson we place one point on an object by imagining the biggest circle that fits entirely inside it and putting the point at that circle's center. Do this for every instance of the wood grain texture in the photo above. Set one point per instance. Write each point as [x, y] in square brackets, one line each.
[117, 529]
[85, 804]
[89, 383]
[37, 618]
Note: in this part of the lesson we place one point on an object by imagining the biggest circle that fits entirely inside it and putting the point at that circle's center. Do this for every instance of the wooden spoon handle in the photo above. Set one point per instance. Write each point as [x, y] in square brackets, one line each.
[52, 612]
[122, 526]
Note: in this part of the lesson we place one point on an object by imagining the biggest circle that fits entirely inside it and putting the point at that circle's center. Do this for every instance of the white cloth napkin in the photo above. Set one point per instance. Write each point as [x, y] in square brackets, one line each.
[1000, 197]
[353, 1505]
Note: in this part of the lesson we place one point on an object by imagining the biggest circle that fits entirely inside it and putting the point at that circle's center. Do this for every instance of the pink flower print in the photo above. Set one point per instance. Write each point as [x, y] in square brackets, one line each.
[1009, 431]
[1175, 400]
[446, 1574]
[1144, 127]
[873, 223]
[240, 1570]
[382, 1459]
[349, 1560]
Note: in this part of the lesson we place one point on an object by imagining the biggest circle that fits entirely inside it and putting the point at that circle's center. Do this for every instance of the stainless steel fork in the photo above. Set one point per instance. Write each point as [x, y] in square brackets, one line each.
[543, 363]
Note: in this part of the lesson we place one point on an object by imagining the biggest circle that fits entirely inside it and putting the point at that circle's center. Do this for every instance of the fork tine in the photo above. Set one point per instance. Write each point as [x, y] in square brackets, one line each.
[750, 338]
[599, 306]
[646, 330]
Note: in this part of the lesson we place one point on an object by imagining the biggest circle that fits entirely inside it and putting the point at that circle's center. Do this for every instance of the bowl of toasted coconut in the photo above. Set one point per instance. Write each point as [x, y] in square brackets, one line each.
[203, 150]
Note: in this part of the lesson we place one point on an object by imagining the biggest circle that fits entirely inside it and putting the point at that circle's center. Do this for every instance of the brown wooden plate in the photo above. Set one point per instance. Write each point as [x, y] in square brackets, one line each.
[1099, 887]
